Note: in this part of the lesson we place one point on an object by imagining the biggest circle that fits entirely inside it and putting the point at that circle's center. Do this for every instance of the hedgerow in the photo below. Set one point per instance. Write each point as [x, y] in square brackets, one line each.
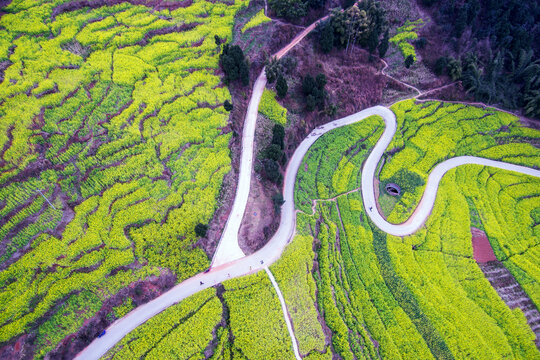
[114, 115]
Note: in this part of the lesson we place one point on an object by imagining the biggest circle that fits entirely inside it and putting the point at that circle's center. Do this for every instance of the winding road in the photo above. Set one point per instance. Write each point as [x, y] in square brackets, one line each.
[230, 262]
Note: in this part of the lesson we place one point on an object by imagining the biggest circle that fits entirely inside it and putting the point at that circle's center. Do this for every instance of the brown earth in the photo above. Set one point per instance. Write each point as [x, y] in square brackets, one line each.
[482, 250]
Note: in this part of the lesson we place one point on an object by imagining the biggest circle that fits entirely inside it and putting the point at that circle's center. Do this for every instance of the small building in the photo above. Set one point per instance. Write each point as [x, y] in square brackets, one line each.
[393, 189]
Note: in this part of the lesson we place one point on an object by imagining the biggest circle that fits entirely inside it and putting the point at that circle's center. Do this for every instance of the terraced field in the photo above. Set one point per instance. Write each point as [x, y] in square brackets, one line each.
[420, 296]
[111, 151]
[242, 319]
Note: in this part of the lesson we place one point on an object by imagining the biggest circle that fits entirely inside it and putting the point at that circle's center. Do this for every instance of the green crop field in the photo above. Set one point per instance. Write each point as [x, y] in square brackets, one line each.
[114, 115]
[241, 320]
[420, 296]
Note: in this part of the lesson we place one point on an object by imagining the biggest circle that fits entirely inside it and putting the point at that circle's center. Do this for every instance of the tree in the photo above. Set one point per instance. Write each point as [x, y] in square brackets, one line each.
[217, 39]
[310, 102]
[289, 9]
[326, 36]
[373, 41]
[277, 200]
[271, 171]
[314, 92]
[278, 134]
[273, 69]
[420, 43]
[281, 86]
[201, 229]
[227, 105]
[440, 65]
[383, 45]
[453, 68]
[273, 152]
[409, 60]
[233, 64]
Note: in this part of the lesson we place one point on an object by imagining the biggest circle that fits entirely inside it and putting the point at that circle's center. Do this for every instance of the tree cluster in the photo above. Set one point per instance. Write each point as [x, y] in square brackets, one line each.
[501, 34]
[233, 63]
[294, 9]
[276, 70]
[513, 83]
[314, 91]
[362, 23]
[273, 155]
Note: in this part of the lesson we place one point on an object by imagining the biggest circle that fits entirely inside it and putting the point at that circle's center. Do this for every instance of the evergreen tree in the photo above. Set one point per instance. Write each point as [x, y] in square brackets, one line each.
[383, 45]
[233, 64]
[281, 86]
[326, 37]
[278, 134]
[409, 60]
[273, 69]
[201, 229]
[373, 41]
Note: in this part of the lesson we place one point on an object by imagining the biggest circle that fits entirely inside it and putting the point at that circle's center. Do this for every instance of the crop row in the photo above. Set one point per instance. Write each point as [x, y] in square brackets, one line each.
[114, 114]
[241, 320]
[333, 164]
[420, 296]
[270, 108]
[404, 36]
[429, 133]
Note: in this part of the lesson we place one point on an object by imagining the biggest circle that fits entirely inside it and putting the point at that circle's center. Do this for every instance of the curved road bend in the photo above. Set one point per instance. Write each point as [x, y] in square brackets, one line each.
[228, 249]
[272, 251]
[425, 205]
[233, 263]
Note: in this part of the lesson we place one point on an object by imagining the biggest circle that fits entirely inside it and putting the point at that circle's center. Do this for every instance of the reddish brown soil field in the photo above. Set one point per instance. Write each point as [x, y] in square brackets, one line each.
[482, 250]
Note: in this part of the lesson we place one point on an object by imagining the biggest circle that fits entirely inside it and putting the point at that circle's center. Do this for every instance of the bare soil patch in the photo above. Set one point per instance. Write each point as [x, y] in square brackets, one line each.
[482, 250]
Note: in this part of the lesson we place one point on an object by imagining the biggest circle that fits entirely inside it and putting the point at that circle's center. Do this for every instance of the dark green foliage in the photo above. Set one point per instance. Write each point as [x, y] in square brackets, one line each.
[278, 134]
[408, 181]
[275, 68]
[288, 64]
[272, 70]
[289, 9]
[234, 64]
[420, 43]
[325, 36]
[453, 68]
[273, 152]
[201, 229]
[383, 45]
[217, 40]
[281, 86]
[509, 29]
[271, 171]
[373, 41]
[409, 60]
[316, 4]
[277, 200]
[361, 23]
[440, 65]
[314, 92]
[227, 105]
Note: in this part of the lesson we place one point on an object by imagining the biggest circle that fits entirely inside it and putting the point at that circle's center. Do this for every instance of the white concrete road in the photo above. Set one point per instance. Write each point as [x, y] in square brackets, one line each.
[272, 251]
[425, 205]
[229, 260]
